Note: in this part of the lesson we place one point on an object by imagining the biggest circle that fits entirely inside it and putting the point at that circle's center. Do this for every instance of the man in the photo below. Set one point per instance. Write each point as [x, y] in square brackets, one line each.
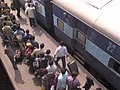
[61, 80]
[61, 53]
[51, 67]
[48, 57]
[34, 42]
[19, 32]
[30, 13]
[7, 31]
[9, 52]
[89, 82]
[18, 35]
[27, 36]
[17, 5]
[72, 82]
[38, 51]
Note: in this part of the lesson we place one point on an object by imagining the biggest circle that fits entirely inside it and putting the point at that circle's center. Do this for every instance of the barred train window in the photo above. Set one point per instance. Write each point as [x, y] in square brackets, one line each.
[81, 37]
[60, 24]
[114, 65]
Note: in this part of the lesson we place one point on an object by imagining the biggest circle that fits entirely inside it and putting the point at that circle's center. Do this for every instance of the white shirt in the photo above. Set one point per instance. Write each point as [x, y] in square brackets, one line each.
[61, 51]
[36, 62]
[52, 68]
[62, 78]
[30, 12]
[26, 4]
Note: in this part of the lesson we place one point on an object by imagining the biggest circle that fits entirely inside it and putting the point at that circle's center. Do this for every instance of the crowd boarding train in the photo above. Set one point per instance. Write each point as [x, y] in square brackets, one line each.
[90, 28]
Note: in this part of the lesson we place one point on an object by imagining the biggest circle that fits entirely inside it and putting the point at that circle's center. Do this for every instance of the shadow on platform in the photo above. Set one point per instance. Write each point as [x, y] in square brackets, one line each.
[18, 77]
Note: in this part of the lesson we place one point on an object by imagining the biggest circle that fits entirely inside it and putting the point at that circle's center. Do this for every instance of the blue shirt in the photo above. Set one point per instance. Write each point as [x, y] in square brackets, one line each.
[62, 78]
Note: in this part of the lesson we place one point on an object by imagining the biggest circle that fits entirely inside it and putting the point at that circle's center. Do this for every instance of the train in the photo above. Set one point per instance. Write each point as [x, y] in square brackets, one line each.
[90, 28]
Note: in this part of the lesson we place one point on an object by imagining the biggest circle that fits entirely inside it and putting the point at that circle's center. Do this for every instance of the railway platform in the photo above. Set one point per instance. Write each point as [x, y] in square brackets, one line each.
[21, 78]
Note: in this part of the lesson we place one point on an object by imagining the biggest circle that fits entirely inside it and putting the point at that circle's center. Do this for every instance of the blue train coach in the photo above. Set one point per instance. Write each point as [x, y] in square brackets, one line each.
[90, 28]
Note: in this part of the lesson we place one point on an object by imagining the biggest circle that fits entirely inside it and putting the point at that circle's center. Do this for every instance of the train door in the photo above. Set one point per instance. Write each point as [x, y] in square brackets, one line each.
[79, 44]
[80, 31]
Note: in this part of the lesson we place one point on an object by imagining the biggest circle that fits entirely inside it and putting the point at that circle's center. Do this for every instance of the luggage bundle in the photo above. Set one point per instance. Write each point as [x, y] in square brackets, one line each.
[73, 67]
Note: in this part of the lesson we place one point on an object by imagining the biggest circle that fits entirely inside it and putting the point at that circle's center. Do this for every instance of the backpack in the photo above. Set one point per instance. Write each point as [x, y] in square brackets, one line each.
[43, 63]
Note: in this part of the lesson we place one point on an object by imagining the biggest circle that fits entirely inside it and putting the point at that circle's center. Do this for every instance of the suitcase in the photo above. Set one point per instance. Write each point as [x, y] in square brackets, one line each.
[73, 66]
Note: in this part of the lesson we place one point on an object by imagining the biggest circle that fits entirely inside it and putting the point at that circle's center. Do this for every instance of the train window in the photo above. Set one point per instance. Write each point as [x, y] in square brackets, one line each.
[114, 65]
[81, 37]
[60, 24]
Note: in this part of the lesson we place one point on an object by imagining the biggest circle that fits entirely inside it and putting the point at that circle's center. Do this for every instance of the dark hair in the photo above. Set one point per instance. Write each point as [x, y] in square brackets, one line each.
[18, 26]
[28, 4]
[27, 31]
[63, 70]
[33, 37]
[5, 18]
[88, 78]
[48, 51]
[42, 45]
[50, 63]
[2, 0]
[62, 43]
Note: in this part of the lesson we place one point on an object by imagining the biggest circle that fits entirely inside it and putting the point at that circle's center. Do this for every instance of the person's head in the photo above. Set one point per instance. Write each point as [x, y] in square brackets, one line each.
[50, 63]
[48, 51]
[33, 38]
[5, 18]
[18, 26]
[63, 70]
[42, 45]
[27, 31]
[62, 43]
[88, 78]
[28, 4]
[14, 22]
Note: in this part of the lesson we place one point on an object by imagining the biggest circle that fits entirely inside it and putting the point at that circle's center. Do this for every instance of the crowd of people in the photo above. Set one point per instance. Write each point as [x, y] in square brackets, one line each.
[42, 64]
